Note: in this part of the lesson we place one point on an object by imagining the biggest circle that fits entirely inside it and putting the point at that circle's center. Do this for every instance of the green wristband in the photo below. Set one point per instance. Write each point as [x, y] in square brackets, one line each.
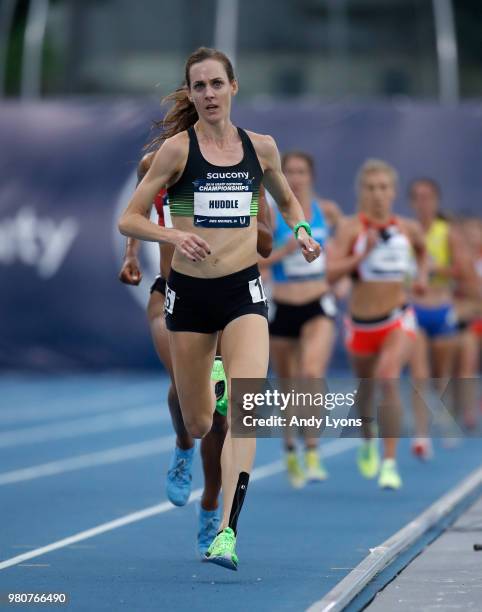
[302, 224]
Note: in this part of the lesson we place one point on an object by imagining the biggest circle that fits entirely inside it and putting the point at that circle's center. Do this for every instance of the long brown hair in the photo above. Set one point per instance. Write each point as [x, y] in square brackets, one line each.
[182, 113]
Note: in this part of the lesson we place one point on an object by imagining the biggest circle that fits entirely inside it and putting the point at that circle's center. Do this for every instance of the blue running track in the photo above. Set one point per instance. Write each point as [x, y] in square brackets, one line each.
[81, 451]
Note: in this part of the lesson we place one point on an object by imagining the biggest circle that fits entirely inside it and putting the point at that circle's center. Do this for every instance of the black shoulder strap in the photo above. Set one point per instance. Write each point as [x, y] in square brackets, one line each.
[246, 140]
[249, 147]
[193, 141]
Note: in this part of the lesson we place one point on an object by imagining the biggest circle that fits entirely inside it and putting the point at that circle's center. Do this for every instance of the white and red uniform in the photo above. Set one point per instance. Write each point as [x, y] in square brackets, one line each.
[390, 260]
[161, 203]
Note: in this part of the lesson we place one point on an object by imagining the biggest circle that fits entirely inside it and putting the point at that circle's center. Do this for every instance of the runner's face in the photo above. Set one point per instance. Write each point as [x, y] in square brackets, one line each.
[298, 175]
[377, 193]
[211, 91]
[424, 200]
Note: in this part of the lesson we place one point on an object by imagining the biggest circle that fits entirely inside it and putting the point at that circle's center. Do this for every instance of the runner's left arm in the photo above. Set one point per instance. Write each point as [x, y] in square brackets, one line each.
[278, 186]
[265, 230]
[417, 239]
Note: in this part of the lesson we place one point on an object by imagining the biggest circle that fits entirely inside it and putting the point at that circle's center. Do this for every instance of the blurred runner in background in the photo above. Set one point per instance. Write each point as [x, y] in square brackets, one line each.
[302, 328]
[374, 247]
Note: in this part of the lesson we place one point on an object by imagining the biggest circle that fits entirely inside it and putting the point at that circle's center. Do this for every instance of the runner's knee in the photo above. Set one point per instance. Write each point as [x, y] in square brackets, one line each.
[199, 426]
[310, 370]
[390, 369]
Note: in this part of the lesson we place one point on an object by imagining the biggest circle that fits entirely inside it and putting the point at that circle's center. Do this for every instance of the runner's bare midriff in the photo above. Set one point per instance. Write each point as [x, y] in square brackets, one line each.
[434, 296]
[372, 299]
[166, 253]
[232, 250]
[299, 293]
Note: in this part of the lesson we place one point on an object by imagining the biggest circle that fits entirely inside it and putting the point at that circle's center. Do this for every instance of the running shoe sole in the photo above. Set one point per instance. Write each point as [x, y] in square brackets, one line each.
[226, 562]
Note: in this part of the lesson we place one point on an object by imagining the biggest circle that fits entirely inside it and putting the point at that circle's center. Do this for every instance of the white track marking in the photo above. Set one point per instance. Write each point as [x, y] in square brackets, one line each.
[44, 411]
[329, 450]
[104, 457]
[63, 405]
[124, 419]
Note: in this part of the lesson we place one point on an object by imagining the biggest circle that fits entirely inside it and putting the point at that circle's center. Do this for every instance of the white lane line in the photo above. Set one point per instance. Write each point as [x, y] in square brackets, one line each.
[44, 411]
[111, 455]
[61, 405]
[329, 450]
[124, 419]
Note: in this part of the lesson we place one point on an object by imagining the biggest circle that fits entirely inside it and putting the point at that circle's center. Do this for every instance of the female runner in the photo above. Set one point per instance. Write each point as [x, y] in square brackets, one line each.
[375, 248]
[213, 171]
[179, 477]
[302, 330]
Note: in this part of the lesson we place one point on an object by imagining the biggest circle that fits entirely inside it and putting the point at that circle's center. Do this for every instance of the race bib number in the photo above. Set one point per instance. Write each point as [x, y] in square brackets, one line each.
[222, 204]
[384, 261]
[256, 290]
[296, 266]
[328, 303]
[388, 259]
[409, 322]
[169, 300]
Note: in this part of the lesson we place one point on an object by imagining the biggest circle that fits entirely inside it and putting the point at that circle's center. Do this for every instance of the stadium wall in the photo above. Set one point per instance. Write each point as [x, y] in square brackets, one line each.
[67, 170]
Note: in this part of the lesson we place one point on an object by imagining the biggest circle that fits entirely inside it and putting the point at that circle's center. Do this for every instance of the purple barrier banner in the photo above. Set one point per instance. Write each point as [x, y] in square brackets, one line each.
[67, 170]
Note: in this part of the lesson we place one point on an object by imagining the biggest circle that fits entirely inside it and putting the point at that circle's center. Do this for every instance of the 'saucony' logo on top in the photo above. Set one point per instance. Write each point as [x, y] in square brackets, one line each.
[227, 175]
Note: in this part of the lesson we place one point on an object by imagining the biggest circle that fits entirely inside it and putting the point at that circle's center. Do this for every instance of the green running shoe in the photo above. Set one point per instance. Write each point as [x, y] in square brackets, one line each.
[222, 550]
[221, 387]
[315, 470]
[389, 476]
[368, 459]
[296, 475]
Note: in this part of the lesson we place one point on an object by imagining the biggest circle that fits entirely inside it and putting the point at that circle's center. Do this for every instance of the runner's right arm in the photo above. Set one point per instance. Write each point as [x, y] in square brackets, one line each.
[166, 167]
[130, 272]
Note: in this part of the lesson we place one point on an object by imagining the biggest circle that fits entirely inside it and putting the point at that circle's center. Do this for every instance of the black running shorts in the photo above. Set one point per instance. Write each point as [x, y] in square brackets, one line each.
[207, 305]
[159, 285]
[289, 318]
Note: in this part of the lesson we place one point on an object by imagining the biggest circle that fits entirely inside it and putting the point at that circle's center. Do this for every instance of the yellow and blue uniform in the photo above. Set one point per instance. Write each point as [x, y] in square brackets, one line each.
[437, 241]
[438, 320]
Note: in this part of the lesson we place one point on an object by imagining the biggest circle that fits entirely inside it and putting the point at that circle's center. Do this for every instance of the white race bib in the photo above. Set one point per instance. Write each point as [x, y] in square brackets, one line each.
[222, 209]
[388, 260]
[409, 322]
[328, 303]
[256, 290]
[169, 300]
[296, 266]
[222, 203]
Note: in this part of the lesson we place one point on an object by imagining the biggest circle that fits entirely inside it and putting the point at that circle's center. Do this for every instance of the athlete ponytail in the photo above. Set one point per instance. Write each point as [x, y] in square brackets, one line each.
[183, 114]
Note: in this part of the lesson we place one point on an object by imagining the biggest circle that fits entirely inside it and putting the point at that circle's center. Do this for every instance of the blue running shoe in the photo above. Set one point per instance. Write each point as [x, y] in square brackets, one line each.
[208, 529]
[179, 478]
